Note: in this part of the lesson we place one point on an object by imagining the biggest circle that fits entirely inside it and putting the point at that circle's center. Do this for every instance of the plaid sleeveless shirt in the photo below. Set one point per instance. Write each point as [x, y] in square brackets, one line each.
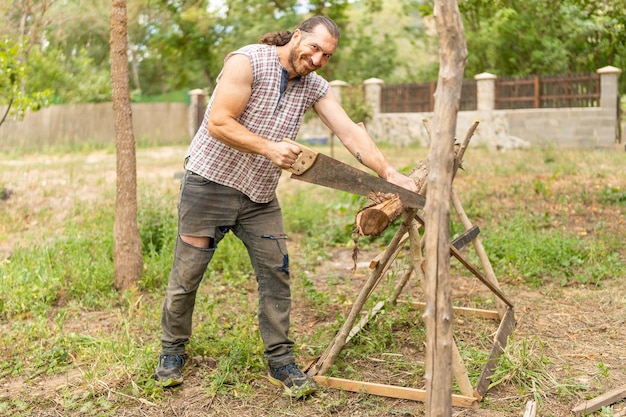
[269, 113]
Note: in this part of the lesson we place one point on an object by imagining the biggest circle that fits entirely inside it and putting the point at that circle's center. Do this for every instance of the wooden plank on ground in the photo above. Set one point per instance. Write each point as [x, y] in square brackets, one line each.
[531, 409]
[363, 322]
[504, 330]
[466, 311]
[603, 400]
[391, 391]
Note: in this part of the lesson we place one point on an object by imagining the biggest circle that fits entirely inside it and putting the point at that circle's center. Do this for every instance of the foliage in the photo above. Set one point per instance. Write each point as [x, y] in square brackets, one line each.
[13, 78]
[74, 79]
[181, 45]
[518, 38]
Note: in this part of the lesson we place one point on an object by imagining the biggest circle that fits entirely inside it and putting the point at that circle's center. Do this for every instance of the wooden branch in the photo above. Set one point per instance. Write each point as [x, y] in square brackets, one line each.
[603, 400]
[402, 283]
[490, 275]
[460, 372]
[6, 113]
[326, 360]
[494, 289]
[438, 313]
[374, 262]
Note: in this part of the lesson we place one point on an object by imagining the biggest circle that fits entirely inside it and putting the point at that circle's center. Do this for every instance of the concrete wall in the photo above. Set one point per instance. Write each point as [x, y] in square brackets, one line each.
[158, 123]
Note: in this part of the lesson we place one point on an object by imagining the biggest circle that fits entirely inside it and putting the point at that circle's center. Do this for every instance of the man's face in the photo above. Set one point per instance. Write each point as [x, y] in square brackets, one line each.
[311, 50]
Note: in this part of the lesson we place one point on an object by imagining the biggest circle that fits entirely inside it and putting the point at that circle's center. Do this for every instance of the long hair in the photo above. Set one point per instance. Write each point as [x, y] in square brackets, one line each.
[283, 37]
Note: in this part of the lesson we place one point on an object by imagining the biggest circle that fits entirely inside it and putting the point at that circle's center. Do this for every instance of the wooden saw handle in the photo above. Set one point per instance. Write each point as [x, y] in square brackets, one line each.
[305, 160]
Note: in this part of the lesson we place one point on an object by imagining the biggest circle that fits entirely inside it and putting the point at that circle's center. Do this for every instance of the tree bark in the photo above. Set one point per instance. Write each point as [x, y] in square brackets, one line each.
[128, 257]
[438, 314]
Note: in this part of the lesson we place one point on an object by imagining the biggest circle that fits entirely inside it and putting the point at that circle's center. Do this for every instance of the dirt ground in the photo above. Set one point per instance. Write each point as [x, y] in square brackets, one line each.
[582, 329]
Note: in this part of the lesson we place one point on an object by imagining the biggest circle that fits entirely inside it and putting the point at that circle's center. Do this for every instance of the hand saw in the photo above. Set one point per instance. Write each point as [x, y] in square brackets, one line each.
[317, 168]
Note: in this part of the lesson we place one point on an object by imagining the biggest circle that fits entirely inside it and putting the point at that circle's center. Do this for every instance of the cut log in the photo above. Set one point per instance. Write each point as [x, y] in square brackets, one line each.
[372, 220]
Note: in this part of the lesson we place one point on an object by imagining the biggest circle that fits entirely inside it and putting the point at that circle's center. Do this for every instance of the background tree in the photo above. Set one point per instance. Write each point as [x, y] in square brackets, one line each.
[128, 259]
[519, 38]
[14, 100]
[175, 46]
[61, 55]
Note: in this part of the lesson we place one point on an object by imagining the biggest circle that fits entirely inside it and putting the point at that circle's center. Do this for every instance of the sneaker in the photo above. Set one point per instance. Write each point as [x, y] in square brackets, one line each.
[295, 383]
[168, 372]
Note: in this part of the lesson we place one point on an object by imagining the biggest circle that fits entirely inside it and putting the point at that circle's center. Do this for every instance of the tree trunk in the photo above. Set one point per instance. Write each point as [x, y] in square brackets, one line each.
[438, 314]
[128, 258]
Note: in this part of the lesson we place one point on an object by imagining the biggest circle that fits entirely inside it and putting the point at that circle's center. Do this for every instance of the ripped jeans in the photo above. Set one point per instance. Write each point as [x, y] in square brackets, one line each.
[209, 209]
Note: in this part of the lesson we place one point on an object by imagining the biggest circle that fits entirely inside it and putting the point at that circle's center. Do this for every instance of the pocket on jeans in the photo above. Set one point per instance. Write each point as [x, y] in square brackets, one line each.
[196, 179]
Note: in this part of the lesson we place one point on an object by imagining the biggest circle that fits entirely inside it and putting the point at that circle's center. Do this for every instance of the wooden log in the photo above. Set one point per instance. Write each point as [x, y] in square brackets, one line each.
[372, 220]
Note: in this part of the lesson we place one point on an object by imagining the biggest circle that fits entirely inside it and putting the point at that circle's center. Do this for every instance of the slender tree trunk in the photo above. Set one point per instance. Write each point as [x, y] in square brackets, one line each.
[438, 314]
[128, 258]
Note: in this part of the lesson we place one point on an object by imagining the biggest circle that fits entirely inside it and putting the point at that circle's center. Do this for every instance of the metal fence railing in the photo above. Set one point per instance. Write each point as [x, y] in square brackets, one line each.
[408, 98]
[572, 90]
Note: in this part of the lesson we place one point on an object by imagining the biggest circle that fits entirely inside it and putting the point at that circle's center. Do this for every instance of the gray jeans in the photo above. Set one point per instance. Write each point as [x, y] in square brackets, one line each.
[209, 209]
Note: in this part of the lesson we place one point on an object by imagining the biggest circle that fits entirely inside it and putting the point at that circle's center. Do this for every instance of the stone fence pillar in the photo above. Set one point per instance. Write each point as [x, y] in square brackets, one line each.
[486, 103]
[609, 96]
[609, 92]
[337, 87]
[373, 90]
[196, 110]
[486, 91]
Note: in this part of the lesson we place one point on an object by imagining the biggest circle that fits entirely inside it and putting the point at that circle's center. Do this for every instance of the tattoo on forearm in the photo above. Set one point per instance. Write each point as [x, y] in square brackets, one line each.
[358, 157]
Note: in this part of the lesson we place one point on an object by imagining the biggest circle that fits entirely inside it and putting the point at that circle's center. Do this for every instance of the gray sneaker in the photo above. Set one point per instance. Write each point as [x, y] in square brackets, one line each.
[168, 372]
[296, 383]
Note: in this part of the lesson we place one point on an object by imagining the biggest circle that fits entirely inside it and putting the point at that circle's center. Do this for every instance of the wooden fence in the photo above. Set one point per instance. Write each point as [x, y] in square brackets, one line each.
[511, 93]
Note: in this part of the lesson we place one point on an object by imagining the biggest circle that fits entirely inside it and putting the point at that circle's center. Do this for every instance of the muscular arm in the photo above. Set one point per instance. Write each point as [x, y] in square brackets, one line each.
[358, 142]
[229, 101]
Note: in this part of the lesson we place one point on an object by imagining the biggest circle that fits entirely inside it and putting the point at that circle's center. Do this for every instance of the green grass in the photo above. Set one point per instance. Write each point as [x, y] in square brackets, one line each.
[46, 284]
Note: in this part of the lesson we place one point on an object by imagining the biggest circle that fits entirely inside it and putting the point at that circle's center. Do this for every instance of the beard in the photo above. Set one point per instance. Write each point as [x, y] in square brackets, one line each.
[300, 64]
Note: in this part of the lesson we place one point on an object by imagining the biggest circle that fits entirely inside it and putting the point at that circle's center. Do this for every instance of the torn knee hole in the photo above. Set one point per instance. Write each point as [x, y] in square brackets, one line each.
[199, 242]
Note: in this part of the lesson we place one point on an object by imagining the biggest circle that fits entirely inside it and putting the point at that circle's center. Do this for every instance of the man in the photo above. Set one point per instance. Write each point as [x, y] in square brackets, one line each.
[232, 170]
